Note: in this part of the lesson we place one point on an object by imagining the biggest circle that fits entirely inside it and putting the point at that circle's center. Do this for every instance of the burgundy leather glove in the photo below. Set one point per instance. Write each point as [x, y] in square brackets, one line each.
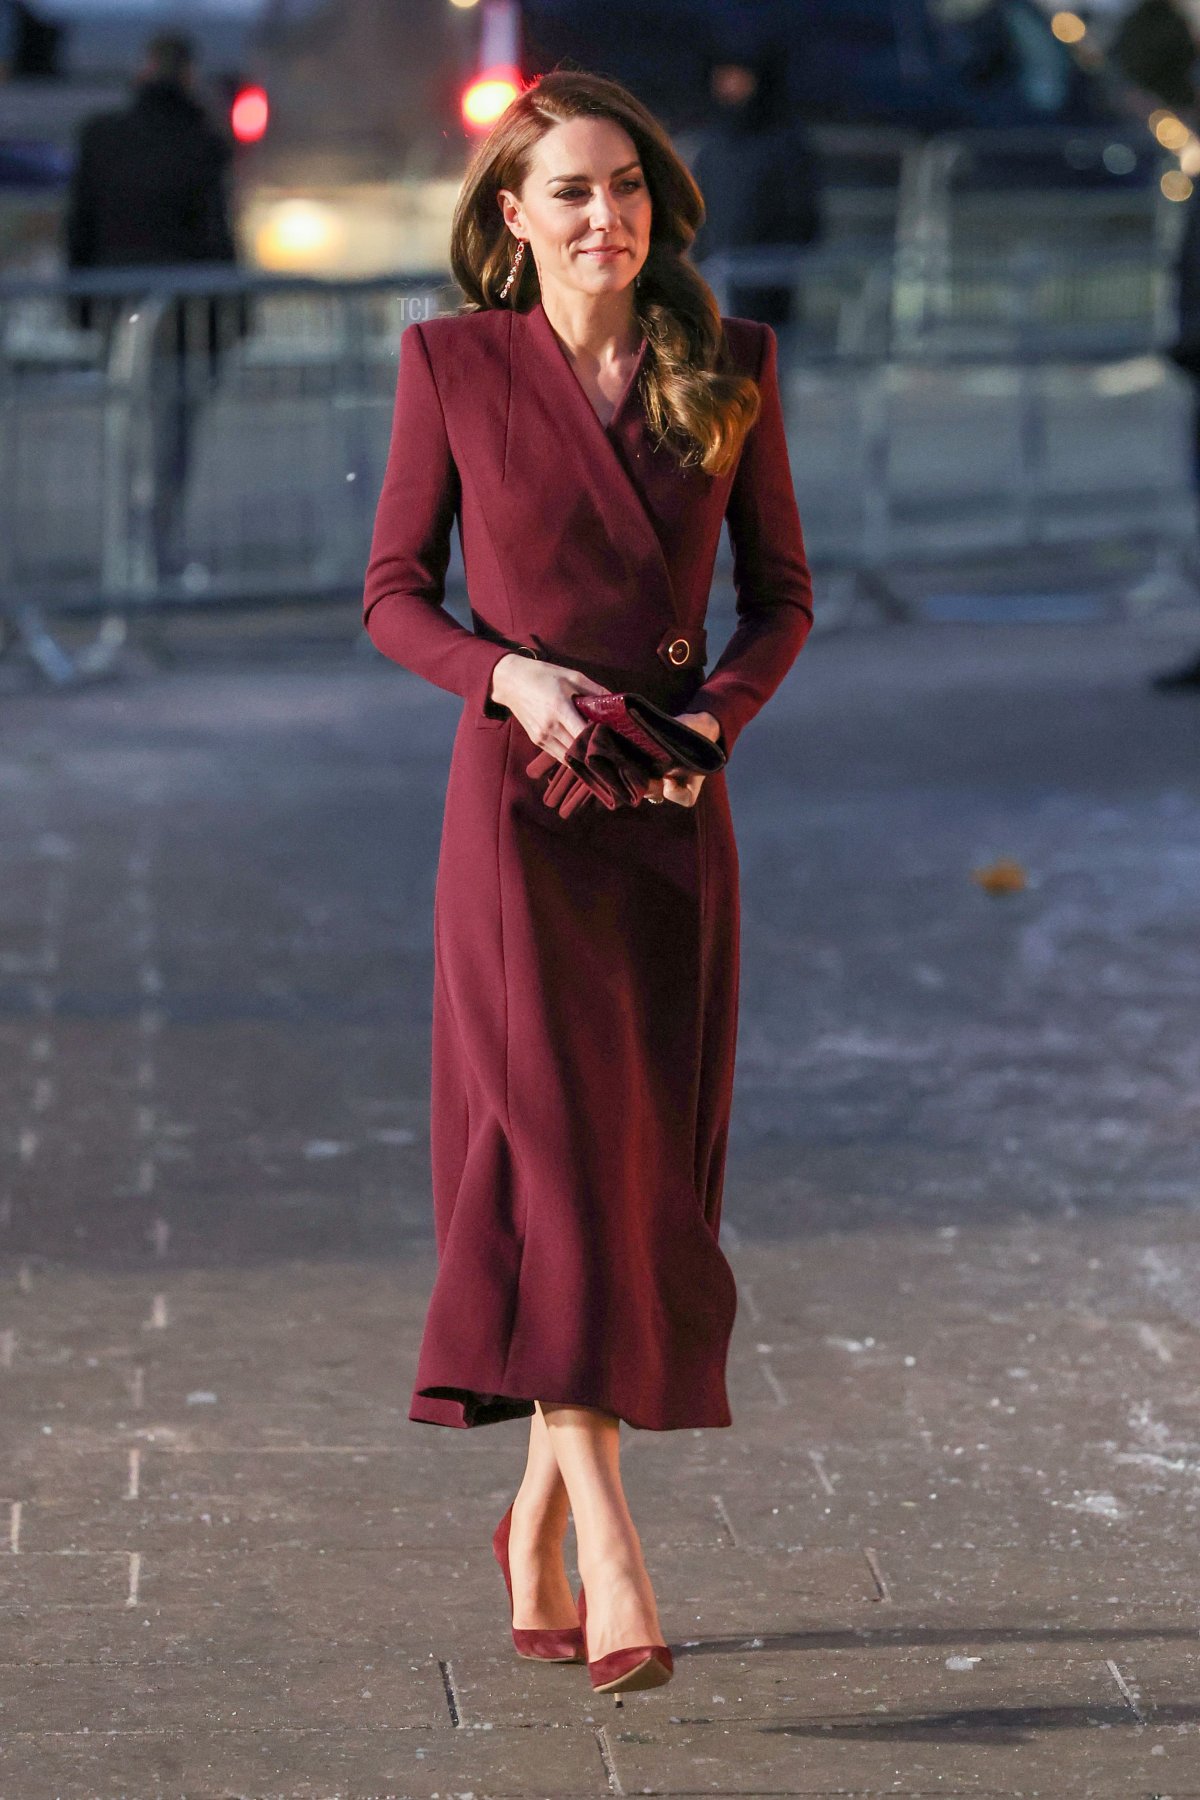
[618, 774]
[627, 743]
[598, 766]
[567, 792]
[564, 789]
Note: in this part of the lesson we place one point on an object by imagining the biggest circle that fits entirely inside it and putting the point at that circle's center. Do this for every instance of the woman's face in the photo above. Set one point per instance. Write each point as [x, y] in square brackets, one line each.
[584, 207]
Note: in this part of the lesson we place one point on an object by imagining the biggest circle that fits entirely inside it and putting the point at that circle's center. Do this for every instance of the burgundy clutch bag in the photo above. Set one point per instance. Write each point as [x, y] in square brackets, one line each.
[627, 743]
[658, 736]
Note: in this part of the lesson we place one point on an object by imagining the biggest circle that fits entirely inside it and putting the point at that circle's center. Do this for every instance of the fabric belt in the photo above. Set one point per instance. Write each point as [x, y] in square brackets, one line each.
[677, 649]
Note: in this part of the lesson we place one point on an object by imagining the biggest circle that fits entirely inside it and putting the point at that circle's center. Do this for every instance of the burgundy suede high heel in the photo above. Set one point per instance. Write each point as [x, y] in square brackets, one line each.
[564, 1644]
[637, 1666]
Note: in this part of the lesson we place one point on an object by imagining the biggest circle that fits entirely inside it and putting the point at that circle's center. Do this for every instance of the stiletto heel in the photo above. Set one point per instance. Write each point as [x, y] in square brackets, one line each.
[638, 1666]
[564, 1644]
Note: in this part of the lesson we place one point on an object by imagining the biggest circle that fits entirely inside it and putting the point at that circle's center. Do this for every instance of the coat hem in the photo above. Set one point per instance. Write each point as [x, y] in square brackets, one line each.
[463, 1408]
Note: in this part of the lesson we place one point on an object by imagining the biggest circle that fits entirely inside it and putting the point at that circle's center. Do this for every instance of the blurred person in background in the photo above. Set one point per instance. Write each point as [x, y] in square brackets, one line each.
[1185, 352]
[759, 171]
[1155, 49]
[29, 44]
[149, 188]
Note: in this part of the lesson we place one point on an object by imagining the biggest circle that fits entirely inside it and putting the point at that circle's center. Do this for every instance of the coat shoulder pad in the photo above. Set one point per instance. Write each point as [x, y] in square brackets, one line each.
[460, 342]
[745, 340]
[459, 329]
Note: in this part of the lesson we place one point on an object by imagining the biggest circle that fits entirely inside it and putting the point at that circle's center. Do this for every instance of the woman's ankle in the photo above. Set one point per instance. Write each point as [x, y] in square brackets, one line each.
[547, 1517]
[614, 1563]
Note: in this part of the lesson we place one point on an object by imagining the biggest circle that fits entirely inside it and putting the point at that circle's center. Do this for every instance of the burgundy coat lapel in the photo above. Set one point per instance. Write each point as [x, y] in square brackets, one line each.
[547, 399]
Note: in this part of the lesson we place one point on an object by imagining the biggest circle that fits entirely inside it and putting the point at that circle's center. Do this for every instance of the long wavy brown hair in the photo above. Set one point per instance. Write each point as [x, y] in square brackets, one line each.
[695, 400]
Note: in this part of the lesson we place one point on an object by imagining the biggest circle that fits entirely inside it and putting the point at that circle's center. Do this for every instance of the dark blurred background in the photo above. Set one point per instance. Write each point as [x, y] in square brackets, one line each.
[971, 222]
[364, 96]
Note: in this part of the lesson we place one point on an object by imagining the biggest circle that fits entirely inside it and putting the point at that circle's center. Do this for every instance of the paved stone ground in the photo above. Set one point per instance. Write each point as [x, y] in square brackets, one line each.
[949, 1546]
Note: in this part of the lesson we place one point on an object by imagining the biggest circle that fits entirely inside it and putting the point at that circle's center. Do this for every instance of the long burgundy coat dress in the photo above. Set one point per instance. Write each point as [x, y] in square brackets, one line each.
[585, 987]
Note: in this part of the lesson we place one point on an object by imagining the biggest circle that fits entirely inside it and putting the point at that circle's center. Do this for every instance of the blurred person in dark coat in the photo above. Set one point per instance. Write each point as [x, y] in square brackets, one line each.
[759, 171]
[1185, 352]
[149, 188]
[9, 38]
[1155, 49]
[29, 44]
[149, 184]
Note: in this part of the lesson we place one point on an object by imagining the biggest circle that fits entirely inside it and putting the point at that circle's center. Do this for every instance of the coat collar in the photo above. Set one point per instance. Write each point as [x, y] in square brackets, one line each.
[542, 368]
[546, 335]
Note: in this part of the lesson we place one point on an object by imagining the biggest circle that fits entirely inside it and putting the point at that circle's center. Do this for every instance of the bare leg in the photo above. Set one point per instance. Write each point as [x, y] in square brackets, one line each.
[621, 1608]
[542, 1597]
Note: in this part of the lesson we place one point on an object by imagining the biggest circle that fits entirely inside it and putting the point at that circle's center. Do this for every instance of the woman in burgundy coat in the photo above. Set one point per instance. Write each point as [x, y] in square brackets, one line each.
[588, 419]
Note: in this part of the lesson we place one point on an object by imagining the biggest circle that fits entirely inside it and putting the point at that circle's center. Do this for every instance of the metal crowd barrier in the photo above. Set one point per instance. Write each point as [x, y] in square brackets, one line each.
[930, 410]
[173, 437]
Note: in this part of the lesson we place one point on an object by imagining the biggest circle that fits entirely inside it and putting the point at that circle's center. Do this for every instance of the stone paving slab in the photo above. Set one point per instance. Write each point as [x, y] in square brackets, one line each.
[1023, 1754]
[303, 1763]
[341, 1690]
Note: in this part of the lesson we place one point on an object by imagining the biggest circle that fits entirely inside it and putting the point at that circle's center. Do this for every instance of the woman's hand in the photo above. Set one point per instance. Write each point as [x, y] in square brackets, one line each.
[538, 695]
[684, 787]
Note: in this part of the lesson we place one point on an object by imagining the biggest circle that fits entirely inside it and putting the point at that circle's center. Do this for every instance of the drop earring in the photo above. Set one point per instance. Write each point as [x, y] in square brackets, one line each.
[514, 267]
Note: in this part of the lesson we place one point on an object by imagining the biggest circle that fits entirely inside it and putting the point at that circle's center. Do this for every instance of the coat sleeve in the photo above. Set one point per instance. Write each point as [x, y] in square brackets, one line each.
[404, 589]
[770, 570]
